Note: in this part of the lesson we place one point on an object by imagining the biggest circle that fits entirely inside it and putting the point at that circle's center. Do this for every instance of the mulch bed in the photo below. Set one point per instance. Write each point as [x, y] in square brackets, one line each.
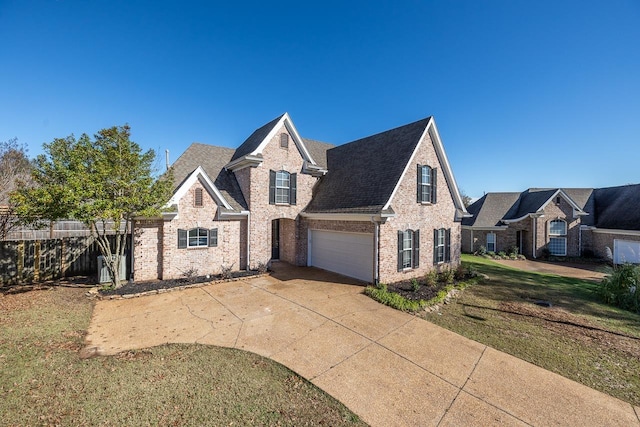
[155, 285]
[425, 292]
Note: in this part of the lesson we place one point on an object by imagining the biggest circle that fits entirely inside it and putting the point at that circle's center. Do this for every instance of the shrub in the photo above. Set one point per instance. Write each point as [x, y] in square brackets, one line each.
[225, 271]
[620, 288]
[461, 273]
[502, 255]
[446, 275]
[415, 285]
[431, 278]
[481, 251]
[263, 267]
[397, 301]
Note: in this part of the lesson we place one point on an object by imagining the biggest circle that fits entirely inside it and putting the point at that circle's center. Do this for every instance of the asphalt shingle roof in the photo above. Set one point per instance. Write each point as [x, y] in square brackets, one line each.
[318, 151]
[362, 174]
[490, 209]
[254, 140]
[617, 208]
[612, 208]
[213, 160]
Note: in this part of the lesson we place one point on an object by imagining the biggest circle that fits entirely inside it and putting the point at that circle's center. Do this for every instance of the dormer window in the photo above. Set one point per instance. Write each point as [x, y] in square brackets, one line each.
[282, 188]
[427, 184]
[197, 198]
[284, 140]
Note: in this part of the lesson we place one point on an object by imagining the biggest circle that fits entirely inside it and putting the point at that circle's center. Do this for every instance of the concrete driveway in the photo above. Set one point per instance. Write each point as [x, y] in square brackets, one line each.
[388, 367]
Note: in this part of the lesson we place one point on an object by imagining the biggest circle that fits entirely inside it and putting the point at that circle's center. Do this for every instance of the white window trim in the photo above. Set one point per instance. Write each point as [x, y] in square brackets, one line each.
[495, 242]
[440, 246]
[287, 188]
[424, 185]
[197, 229]
[557, 236]
[406, 249]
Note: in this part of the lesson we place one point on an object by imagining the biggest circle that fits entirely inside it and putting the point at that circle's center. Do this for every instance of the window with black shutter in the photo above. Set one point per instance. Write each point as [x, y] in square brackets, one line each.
[408, 249]
[282, 188]
[441, 245]
[427, 184]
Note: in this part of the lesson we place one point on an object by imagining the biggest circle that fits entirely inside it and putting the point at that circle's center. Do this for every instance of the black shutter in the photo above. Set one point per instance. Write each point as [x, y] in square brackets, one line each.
[400, 241]
[434, 185]
[182, 239]
[420, 184]
[416, 249]
[292, 188]
[435, 247]
[447, 245]
[272, 187]
[213, 237]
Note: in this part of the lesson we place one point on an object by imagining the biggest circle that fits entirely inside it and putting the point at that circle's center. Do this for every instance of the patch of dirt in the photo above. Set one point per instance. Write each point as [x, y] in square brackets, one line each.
[566, 324]
[138, 287]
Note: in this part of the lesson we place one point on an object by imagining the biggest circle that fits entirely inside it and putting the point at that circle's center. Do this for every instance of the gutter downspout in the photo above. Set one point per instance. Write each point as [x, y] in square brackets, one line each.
[133, 268]
[376, 252]
[248, 239]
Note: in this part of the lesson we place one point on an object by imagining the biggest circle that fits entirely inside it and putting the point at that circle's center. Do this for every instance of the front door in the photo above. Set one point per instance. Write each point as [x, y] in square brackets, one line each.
[275, 239]
[520, 239]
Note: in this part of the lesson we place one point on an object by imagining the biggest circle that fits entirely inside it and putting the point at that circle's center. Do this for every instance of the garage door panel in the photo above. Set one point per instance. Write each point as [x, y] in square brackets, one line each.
[626, 251]
[350, 254]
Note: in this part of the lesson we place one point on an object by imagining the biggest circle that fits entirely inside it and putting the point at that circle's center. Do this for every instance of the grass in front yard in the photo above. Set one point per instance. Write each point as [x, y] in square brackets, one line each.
[579, 337]
[43, 381]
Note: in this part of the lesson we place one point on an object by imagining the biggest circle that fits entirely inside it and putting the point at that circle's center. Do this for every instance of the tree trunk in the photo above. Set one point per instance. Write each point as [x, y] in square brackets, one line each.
[111, 260]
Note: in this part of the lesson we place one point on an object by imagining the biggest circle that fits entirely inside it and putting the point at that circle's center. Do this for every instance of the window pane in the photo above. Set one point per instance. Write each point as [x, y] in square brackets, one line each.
[558, 246]
[426, 193]
[426, 175]
[558, 228]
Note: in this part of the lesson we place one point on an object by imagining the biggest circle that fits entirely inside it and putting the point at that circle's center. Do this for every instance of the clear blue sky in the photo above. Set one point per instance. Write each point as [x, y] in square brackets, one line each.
[525, 93]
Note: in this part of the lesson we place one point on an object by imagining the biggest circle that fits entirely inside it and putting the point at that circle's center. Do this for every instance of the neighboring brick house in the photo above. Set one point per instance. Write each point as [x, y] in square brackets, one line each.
[603, 222]
[382, 208]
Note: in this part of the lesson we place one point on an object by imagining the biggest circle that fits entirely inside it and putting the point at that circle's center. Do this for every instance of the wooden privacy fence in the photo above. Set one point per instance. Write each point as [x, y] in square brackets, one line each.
[27, 261]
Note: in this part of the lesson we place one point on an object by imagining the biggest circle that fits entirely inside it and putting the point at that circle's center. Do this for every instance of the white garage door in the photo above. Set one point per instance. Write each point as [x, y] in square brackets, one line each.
[350, 254]
[626, 251]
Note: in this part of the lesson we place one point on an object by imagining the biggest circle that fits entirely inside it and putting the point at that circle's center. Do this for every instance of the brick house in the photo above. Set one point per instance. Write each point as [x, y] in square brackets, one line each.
[602, 222]
[382, 208]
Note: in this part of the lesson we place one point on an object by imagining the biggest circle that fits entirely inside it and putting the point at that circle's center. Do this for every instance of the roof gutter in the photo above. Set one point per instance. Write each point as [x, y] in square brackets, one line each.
[244, 162]
[537, 214]
[322, 216]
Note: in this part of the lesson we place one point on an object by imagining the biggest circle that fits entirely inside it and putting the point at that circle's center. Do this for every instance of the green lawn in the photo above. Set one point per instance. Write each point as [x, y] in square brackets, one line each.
[578, 337]
[44, 382]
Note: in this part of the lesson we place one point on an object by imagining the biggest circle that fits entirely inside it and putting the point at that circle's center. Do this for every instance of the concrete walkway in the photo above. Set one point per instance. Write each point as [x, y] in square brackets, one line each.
[390, 368]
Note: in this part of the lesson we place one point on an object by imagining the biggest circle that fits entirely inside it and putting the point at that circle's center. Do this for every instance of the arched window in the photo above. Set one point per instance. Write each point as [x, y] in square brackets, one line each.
[558, 237]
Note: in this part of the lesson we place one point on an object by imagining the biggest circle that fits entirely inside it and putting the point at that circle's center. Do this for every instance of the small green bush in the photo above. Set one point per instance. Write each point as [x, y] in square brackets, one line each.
[431, 278]
[397, 301]
[481, 251]
[446, 276]
[415, 285]
[620, 288]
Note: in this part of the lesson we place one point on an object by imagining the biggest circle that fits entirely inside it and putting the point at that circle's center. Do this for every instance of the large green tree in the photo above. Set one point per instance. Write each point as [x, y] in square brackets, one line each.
[104, 182]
